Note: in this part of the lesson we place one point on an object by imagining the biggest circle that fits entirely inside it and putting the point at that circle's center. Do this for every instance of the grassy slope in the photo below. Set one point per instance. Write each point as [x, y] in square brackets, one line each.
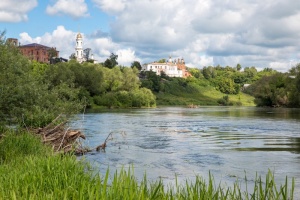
[199, 95]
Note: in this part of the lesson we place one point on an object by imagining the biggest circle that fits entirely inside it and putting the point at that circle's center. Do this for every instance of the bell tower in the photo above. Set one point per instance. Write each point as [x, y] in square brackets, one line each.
[79, 49]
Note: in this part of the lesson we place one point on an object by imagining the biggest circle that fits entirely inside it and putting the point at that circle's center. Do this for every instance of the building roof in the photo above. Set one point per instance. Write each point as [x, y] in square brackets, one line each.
[35, 45]
[157, 63]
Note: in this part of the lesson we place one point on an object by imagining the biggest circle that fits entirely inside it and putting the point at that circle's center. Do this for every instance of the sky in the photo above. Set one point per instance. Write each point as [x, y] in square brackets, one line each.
[203, 32]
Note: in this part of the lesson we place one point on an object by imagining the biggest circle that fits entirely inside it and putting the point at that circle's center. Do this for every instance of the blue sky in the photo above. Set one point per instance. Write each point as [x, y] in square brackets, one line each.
[40, 22]
[203, 32]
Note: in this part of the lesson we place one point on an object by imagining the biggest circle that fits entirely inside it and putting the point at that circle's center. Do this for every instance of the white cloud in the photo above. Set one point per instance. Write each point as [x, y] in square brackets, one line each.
[126, 57]
[9, 12]
[110, 6]
[73, 8]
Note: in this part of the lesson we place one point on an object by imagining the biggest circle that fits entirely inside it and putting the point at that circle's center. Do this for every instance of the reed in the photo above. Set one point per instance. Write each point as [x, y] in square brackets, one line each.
[29, 170]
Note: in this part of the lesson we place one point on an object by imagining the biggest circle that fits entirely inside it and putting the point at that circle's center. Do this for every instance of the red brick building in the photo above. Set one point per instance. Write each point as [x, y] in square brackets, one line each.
[38, 52]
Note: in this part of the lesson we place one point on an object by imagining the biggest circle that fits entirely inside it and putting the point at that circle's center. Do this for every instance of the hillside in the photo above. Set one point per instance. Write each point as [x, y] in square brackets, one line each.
[199, 95]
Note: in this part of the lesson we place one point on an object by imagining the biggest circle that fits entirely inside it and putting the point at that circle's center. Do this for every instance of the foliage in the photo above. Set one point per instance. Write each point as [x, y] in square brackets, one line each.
[238, 67]
[209, 72]
[137, 98]
[72, 56]
[227, 86]
[52, 53]
[137, 65]
[224, 101]
[196, 73]
[111, 62]
[151, 81]
[273, 90]
[28, 89]
[163, 60]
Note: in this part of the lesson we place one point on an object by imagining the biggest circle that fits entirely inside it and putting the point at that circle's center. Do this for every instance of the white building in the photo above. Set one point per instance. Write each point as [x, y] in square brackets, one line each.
[79, 48]
[171, 68]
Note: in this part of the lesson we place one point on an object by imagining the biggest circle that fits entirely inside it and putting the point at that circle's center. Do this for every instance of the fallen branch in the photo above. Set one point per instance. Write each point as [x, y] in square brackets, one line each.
[103, 146]
[63, 139]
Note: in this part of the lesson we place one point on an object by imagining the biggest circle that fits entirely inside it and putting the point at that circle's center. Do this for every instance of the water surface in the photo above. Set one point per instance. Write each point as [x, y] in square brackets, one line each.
[169, 141]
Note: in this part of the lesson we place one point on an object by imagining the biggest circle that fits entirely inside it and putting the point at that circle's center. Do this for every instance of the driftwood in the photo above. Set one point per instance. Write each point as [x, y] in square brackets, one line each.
[62, 139]
[103, 146]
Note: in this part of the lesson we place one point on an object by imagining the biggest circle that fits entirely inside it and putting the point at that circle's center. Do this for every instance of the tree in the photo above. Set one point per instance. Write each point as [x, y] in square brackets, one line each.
[163, 60]
[295, 70]
[111, 62]
[196, 72]
[152, 81]
[250, 72]
[208, 72]
[272, 90]
[226, 85]
[238, 67]
[72, 56]
[86, 54]
[108, 64]
[130, 79]
[137, 65]
[52, 53]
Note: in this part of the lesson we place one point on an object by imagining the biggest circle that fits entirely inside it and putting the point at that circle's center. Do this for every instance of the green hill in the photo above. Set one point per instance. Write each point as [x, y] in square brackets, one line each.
[194, 94]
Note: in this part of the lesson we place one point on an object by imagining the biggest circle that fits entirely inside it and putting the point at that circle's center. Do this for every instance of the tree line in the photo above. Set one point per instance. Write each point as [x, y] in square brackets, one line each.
[34, 93]
[268, 86]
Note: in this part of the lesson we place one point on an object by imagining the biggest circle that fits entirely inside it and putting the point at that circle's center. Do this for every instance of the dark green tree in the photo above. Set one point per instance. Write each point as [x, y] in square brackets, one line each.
[151, 81]
[111, 62]
[238, 67]
[72, 56]
[137, 65]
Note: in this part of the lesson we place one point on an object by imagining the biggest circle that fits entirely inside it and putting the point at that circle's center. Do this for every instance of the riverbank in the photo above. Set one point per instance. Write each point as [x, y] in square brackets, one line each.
[30, 170]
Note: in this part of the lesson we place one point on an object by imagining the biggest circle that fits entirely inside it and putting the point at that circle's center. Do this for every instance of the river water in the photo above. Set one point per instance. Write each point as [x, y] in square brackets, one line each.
[229, 142]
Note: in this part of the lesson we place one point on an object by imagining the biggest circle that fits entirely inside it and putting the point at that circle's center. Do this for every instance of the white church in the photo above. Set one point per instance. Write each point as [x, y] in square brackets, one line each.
[172, 68]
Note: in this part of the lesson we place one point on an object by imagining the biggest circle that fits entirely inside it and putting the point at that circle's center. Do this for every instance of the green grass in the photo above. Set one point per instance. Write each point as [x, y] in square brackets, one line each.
[28, 170]
[200, 95]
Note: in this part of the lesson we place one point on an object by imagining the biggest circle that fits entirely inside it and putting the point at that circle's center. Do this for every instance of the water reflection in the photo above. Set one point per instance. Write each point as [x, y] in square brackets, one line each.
[295, 145]
[226, 141]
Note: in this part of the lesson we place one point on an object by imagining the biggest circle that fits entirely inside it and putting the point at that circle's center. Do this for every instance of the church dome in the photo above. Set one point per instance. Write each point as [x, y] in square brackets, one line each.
[79, 36]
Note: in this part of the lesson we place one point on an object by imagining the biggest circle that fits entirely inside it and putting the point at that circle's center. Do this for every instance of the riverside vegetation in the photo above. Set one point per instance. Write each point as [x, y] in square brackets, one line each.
[33, 94]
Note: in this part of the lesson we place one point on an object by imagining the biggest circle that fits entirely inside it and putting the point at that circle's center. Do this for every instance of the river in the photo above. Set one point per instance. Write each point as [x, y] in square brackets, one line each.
[229, 142]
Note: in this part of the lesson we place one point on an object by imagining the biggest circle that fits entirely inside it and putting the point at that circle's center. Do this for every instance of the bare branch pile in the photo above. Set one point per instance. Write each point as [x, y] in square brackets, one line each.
[61, 139]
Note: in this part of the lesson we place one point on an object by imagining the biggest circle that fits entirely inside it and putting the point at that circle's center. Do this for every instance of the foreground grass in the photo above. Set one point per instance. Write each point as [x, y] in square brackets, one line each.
[29, 170]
